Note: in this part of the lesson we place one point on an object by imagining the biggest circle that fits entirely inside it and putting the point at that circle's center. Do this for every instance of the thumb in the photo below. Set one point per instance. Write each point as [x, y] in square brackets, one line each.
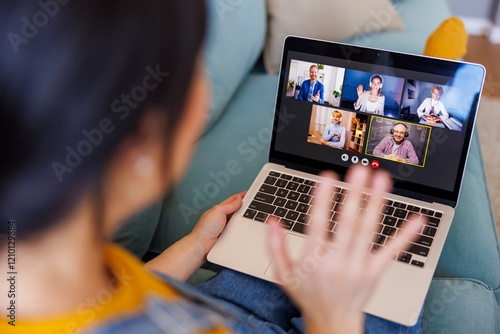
[231, 206]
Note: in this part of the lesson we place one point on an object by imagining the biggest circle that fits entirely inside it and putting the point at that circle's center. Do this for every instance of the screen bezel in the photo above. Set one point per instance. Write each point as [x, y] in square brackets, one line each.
[378, 57]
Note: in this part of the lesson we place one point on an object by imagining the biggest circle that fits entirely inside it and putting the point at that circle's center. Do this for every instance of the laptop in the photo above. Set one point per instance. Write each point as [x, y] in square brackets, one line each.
[382, 109]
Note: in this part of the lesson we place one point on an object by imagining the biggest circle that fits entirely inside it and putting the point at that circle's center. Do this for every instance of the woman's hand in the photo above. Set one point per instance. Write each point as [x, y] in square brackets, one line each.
[360, 91]
[360, 94]
[184, 257]
[332, 293]
[213, 221]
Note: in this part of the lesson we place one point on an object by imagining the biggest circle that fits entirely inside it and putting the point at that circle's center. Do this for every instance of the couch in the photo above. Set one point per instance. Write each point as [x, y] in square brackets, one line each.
[464, 295]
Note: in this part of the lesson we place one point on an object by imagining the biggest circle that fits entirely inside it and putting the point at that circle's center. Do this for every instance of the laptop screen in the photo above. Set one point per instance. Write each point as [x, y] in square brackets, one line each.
[339, 105]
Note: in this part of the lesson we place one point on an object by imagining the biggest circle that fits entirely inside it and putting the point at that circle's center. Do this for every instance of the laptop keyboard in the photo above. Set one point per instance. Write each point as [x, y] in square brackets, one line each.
[288, 198]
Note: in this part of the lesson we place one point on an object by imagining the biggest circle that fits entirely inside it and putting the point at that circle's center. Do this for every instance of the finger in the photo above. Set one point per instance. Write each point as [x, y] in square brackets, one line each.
[401, 242]
[357, 177]
[276, 246]
[230, 205]
[320, 213]
[370, 218]
[232, 198]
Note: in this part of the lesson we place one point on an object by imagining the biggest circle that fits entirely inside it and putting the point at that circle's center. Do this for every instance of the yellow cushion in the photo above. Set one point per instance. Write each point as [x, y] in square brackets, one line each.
[448, 41]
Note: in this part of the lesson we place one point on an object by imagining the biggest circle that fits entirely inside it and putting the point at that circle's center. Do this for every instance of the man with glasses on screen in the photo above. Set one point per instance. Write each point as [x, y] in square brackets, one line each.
[396, 146]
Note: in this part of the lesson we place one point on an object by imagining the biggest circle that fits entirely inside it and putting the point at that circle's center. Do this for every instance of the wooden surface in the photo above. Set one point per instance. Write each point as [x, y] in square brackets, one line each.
[480, 50]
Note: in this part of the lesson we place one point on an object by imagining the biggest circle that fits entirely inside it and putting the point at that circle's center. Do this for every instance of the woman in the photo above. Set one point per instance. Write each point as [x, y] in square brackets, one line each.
[334, 134]
[432, 109]
[371, 101]
[100, 113]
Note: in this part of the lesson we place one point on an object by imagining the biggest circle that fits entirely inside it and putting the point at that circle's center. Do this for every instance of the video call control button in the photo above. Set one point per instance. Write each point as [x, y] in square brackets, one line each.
[375, 164]
[365, 162]
[354, 159]
[344, 157]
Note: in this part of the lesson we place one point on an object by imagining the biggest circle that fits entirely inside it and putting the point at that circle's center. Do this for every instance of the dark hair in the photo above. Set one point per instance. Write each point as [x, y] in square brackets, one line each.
[76, 79]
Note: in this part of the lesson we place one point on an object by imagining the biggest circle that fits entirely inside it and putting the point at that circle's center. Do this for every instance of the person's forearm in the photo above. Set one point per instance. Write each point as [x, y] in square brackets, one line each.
[180, 260]
[344, 324]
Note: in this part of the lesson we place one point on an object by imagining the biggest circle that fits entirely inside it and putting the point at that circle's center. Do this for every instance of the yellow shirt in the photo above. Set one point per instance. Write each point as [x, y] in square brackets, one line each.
[126, 295]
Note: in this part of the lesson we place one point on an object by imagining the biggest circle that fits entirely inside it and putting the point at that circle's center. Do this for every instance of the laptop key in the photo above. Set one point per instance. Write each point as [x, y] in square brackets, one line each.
[261, 217]
[375, 247]
[304, 189]
[304, 198]
[250, 213]
[286, 223]
[292, 215]
[310, 183]
[282, 193]
[293, 195]
[417, 263]
[388, 230]
[413, 208]
[419, 250]
[265, 188]
[387, 210]
[286, 176]
[434, 222]
[379, 239]
[438, 215]
[400, 213]
[303, 208]
[275, 174]
[281, 183]
[337, 197]
[297, 179]
[259, 206]
[270, 180]
[424, 241]
[430, 231]
[298, 227]
[279, 201]
[304, 218]
[291, 205]
[401, 223]
[427, 212]
[404, 257]
[391, 221]
[280, 212]
[266, 198]
[399, 205]
[292, 186]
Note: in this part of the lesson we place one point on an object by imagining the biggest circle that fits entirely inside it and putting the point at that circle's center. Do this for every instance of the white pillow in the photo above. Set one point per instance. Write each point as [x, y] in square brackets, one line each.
[333, 20]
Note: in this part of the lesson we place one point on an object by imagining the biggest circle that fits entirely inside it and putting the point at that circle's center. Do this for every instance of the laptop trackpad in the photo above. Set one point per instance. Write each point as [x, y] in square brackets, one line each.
[295, 246]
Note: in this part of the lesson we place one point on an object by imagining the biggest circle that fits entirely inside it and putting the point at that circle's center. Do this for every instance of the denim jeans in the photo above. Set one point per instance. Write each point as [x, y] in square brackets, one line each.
[265, 302]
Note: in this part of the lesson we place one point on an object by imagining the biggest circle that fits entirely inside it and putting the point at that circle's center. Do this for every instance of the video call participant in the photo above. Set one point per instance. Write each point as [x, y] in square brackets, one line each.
[397, 147]
[334, 134]
[371, 101]
[312, 90]
[432, 109]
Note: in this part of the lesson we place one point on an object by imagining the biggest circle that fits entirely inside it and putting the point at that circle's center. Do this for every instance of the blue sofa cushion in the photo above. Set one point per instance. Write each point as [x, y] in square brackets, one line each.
[472, 244]
[235, 40]
[458, 306]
